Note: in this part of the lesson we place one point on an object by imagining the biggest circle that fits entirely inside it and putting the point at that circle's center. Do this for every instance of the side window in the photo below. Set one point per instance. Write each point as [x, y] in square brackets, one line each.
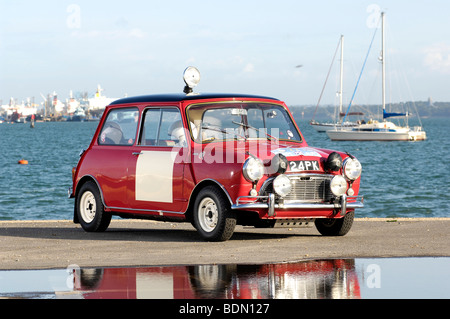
[120, 127]
[163, 127]
[149, 134]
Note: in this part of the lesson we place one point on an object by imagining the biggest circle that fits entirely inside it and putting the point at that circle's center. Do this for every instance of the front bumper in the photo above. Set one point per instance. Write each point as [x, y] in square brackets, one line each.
[250, 203]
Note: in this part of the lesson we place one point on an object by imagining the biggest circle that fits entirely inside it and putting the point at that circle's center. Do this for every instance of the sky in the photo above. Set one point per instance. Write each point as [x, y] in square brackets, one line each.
[282, 49]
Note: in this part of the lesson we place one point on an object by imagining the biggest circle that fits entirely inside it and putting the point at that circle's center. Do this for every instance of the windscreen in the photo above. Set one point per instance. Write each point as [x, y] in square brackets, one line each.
[231, 121]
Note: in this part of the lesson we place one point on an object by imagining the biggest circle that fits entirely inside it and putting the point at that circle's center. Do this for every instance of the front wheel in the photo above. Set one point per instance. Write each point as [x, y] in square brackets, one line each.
[335, 226]
[213, 217]
[90, 210]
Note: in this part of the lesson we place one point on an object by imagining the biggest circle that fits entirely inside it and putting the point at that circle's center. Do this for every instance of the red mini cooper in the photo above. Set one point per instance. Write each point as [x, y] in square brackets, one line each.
[215, 160]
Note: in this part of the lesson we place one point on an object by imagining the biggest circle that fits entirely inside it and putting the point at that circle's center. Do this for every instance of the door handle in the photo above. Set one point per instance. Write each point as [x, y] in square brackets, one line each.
[137, 153]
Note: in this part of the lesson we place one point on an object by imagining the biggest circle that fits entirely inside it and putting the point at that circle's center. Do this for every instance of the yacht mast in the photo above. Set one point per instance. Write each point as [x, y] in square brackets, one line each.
[341, 74]
[383, 66]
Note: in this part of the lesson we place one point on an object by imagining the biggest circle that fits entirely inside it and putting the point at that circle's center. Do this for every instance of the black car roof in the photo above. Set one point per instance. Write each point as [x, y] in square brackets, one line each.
[176, 97]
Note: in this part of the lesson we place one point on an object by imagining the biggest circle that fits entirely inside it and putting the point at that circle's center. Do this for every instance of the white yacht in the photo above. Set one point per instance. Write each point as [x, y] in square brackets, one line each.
[375, 130]
[322, 126]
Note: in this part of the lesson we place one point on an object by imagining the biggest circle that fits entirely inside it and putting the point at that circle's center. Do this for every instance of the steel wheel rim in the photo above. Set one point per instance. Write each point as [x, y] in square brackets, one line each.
[208, 275]
[88, 207]
[208, 214]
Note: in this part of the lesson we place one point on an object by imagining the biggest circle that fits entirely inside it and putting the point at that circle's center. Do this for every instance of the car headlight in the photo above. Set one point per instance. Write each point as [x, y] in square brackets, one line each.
[352, 168]
[282, 185]
[253, 169]
[338, 185]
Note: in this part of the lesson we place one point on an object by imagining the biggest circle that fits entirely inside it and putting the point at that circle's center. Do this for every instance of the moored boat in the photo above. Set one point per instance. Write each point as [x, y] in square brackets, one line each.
[384, 130]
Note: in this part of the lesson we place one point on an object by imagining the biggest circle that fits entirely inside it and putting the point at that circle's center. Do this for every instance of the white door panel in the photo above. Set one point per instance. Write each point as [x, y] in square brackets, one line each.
[154, 176]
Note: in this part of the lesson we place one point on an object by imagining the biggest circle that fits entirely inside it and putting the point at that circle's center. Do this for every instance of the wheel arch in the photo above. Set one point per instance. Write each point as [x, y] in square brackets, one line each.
[204, 183]
[81, 182]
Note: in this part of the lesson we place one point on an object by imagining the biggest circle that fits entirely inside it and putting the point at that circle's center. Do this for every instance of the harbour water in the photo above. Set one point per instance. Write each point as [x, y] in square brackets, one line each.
[400, 179]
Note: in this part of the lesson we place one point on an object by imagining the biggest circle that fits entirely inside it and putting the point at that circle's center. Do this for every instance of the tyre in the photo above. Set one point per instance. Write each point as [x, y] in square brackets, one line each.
[213, 217]
[211, 281]
[335, 226]
[90, 210]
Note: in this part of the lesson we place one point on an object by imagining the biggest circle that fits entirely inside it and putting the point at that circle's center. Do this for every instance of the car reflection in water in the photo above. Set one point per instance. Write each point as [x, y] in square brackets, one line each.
[335, 278]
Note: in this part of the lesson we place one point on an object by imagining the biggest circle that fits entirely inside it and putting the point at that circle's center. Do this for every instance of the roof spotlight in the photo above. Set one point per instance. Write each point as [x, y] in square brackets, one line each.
[191, 78]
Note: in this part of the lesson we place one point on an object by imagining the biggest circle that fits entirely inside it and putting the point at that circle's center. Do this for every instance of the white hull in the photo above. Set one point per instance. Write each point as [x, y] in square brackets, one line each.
[378, 132]
[417, 134]
[324, 127]
[350, 135]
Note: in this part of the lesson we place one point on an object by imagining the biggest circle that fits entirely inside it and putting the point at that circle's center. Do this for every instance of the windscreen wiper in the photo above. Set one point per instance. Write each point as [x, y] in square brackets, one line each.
[236, 136]
[269, 137]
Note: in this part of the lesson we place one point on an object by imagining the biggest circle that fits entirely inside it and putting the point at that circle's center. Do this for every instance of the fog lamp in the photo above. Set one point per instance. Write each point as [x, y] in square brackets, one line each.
[278, 164]
[338, 185]
[282, 185]
[191, 77]
[333, 162]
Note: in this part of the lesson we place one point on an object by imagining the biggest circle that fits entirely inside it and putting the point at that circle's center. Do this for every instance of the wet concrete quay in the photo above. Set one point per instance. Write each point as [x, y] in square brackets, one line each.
[379, 258]
[135, 243]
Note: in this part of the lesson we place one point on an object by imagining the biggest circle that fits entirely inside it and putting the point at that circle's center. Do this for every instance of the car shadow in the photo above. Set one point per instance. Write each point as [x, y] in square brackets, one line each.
[148, 234]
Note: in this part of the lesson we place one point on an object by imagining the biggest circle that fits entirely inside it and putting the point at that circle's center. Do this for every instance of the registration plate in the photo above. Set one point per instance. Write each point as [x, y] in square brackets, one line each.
[297, 166]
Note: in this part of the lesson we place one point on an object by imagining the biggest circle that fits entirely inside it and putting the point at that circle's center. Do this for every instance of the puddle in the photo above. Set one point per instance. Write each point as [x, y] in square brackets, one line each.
[361, 278]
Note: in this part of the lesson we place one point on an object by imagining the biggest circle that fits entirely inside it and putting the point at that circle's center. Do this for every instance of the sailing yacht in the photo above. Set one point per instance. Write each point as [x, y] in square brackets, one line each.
[323, 127]
[379, 131]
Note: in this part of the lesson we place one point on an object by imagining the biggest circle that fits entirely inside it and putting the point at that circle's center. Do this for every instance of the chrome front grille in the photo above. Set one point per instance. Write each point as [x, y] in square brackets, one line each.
[310, 188]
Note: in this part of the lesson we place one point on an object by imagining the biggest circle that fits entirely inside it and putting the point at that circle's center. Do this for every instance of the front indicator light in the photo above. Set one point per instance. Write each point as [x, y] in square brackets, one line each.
[350, 192]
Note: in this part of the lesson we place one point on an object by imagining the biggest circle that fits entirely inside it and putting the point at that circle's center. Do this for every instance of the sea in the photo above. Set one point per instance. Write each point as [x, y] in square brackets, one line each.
[399, 179]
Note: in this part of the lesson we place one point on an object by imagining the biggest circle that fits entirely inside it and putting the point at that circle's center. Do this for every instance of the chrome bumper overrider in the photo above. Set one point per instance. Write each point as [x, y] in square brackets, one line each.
[249, 203]
[70, 192]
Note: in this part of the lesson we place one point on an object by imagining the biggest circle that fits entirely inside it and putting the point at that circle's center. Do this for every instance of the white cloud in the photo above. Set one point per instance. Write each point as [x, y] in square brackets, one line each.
[437, 58]
[249, 68]
[137, 33]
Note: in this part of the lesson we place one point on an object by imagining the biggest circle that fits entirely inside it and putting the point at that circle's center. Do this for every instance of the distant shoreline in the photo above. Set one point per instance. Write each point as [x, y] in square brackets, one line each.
[425, 109]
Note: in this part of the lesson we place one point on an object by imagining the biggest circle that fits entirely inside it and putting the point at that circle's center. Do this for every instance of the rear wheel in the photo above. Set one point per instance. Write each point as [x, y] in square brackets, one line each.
[213, 217]
[335, 226]
[90, 210]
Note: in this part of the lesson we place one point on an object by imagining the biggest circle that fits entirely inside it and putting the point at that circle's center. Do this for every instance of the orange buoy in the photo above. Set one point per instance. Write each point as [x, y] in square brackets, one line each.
[23, 162]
